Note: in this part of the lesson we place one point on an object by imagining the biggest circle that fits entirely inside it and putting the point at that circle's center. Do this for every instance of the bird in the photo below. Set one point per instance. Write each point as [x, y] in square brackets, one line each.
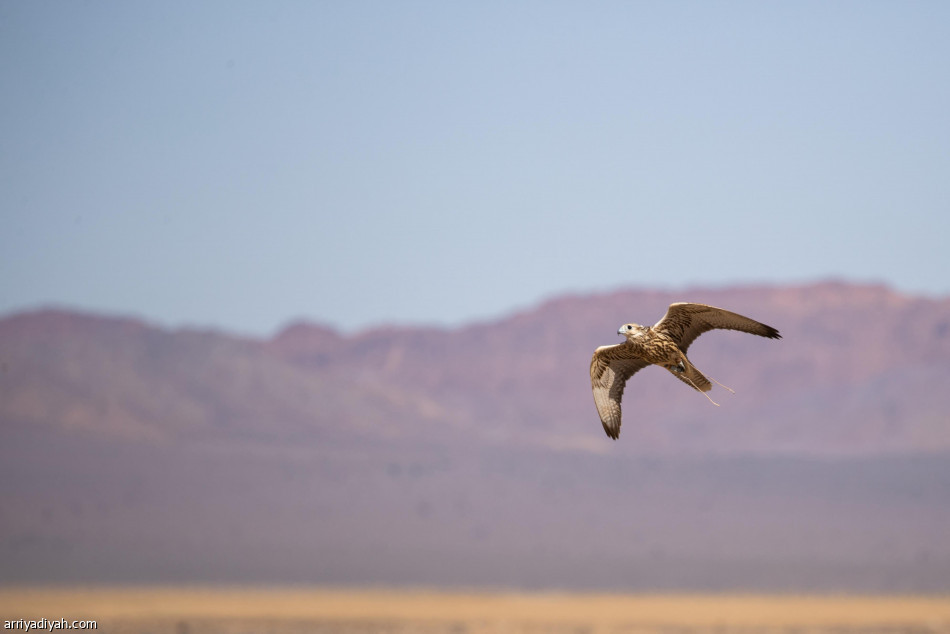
[663, 344]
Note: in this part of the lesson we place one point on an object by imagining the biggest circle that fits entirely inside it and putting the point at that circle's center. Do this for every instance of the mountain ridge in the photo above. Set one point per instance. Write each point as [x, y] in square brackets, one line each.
[474, 456]
[865, 357]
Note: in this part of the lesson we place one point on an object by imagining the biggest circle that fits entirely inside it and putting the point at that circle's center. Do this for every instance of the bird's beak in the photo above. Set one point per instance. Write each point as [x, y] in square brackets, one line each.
[620, 330]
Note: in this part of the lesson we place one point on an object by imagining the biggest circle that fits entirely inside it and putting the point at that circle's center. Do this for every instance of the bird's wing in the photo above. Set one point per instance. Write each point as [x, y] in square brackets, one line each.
[684, 322]
[610, 368]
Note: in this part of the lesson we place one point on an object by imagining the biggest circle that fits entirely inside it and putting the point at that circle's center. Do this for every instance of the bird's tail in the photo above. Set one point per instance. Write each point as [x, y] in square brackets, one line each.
[688, 374]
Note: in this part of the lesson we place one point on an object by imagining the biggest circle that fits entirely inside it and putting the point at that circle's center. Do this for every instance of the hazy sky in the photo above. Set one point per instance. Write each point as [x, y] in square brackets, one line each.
[239, 164]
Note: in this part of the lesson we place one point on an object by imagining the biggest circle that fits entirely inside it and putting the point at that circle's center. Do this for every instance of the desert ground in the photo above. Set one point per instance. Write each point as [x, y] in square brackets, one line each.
[196, 610]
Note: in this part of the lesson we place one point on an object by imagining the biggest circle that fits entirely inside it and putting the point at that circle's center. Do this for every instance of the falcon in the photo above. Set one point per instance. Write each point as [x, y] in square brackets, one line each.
[664, 344]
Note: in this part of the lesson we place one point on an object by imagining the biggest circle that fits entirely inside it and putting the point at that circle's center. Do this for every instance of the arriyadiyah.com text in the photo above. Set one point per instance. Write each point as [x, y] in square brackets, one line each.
[26, 625]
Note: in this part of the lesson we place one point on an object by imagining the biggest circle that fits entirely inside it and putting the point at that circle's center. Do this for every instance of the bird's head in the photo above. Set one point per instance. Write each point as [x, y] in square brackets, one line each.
[631, 331]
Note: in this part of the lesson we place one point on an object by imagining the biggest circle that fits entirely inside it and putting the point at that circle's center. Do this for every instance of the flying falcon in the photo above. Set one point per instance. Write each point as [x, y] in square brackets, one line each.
[665, 344]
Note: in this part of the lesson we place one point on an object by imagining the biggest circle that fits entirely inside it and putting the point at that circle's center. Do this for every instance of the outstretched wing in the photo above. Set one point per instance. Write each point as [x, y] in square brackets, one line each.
[610, 368]
[684, 322]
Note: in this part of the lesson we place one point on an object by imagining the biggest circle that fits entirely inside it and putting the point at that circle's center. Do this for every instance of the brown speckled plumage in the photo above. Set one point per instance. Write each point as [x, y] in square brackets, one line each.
[665, 344]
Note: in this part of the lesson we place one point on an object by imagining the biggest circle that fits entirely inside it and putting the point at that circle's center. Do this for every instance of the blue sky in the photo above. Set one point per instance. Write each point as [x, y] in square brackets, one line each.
[241, 164]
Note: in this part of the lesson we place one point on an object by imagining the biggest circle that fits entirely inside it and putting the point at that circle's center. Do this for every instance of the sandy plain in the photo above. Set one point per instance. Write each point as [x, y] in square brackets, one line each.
[195, 610]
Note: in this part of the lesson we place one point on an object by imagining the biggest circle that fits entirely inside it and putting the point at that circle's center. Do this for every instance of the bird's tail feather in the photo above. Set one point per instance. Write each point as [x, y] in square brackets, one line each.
[692, 377]
[695, 379]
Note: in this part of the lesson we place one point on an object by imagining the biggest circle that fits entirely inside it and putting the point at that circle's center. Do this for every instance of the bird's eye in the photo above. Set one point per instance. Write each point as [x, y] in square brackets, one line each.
[629, 327]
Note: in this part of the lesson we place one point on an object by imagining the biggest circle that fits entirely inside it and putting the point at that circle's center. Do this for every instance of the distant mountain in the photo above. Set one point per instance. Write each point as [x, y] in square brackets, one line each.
[474, 456]
[861, 370]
